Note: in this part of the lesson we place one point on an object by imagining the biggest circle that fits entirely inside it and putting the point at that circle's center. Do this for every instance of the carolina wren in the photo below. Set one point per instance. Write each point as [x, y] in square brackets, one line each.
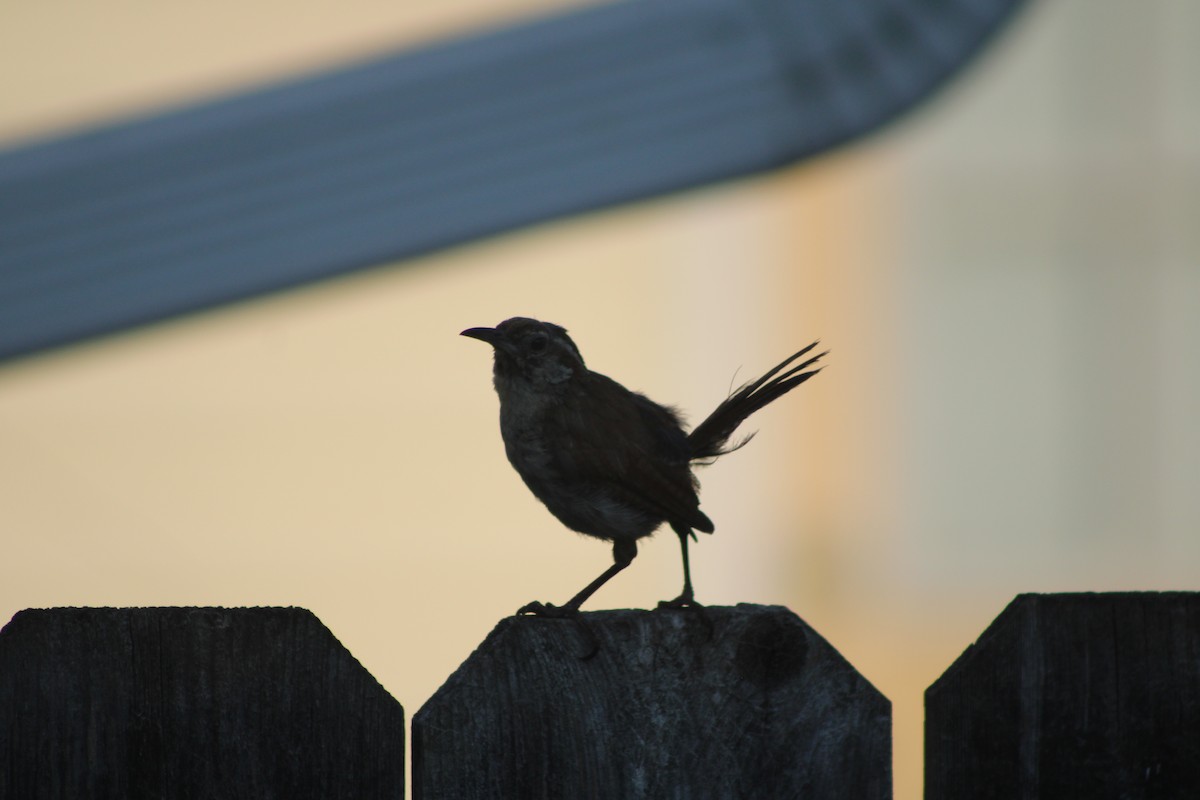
[608, 462]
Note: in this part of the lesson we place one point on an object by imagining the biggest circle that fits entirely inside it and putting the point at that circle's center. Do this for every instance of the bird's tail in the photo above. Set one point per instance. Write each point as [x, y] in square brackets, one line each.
[710, 438]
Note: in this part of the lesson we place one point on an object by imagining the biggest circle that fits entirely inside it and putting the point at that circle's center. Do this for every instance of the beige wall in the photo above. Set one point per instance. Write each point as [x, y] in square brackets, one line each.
[1008, 282]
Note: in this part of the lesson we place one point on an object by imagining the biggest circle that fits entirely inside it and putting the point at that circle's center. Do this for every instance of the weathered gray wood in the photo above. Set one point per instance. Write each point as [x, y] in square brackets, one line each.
[1072, 696]
[190, 703]
[754, 704]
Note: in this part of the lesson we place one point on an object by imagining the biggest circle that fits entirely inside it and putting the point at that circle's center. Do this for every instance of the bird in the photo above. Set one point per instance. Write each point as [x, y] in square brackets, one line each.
[608, 462]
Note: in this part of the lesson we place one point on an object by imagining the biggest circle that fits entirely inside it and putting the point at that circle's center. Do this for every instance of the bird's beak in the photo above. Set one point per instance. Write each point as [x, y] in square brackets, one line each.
[499, 342]
[489, 335]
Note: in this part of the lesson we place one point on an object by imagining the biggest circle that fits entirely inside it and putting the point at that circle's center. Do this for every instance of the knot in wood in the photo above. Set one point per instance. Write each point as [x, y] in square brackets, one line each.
[772, 651]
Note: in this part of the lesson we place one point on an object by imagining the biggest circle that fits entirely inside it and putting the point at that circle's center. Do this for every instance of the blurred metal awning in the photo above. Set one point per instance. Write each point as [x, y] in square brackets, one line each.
[135, 222]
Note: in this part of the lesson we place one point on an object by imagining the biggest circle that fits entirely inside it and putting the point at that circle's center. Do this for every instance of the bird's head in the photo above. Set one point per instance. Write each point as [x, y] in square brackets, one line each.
[539, 353]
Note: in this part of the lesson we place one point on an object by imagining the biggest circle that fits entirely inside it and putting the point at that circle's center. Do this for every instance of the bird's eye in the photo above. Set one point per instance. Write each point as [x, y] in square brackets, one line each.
[537, 344]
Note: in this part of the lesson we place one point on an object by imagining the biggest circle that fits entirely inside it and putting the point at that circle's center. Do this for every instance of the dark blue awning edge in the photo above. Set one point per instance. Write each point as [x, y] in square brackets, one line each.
[137, 222]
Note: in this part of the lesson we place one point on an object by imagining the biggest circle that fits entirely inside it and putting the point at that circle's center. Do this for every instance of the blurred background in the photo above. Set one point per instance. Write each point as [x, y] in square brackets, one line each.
[1008, 278]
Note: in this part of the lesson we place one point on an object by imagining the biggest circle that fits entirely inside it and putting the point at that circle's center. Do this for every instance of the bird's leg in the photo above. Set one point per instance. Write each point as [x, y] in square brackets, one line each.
[687, 598]
[624, 551]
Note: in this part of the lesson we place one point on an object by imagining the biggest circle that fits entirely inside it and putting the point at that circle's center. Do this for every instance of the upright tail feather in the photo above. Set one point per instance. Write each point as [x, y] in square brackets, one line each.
[709, 439]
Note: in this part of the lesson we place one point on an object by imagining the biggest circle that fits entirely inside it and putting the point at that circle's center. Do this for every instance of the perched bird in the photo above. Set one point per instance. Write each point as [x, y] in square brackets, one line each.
[608, 462]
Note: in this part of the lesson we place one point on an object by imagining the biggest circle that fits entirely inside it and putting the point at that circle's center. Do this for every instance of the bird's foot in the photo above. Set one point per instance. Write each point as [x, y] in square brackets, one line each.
[550, 611]
[539, 609]
[685, 600]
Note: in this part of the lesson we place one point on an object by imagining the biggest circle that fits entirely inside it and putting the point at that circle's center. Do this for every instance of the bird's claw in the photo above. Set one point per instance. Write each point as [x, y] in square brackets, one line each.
[683, 601]
[687, 602]
[550, 611]
[539, 609]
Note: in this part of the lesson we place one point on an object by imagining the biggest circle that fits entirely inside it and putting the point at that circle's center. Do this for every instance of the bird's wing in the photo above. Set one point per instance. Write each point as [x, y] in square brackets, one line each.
[647, 466]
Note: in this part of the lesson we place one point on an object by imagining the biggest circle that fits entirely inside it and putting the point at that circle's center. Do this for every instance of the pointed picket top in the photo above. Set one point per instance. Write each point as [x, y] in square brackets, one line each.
[1071, 696]
[745, 701]
[191, 702]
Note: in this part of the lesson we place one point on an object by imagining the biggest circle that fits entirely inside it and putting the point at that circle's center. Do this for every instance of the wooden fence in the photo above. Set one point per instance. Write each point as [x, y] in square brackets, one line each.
[1064, 696]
